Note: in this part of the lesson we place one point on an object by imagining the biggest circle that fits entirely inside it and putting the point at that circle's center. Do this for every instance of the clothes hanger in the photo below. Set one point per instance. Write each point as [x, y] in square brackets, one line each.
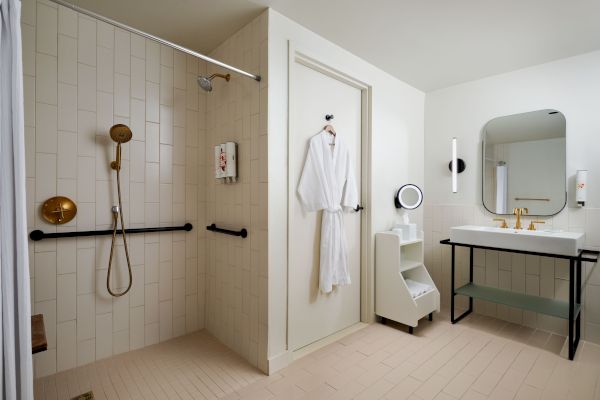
[329, 128]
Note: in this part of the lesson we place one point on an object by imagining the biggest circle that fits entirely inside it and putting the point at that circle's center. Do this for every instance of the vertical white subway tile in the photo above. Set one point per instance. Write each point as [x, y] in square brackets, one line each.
[28, 12]
[138, 78]
[67, 60]
[151, 333]
[152, 183]
[67, 107]
[191, 276]
[179, 108]
[166, 125]
[179, 297]
[178, 259]
[86, 43]
[191, 101]
[122, 51]
[67, 155]
[86, 271]
[165, 282]
[66, 297]
[166, 56]
[103, 336]
[86, 87]
[138, 119]
[29, 100]
[166, 203]
[151, 303]
[179, 70]
[105, 70]
[67, 22]
[152, 61]
[166, 320]
[86, 179]
[85, 219]
[136, 328]
[45, 273]
[45, 363]
[46, 72]
[47, 29]
[46, 119]
[138, 161]
[191, 313]
[166, 163]
[66, 256]
[66, 346]
[121, 313]
[137, 203]
[105, 116]
[106, 35]
[45, 172]
[191, 128]
[122, 95]
[138, 46]
[120, 342]
[152, 214]
[86, 317]
[152, 102]
[86, 351]
[136, 295]
[151, 255]
[166, 86]
[104, 301]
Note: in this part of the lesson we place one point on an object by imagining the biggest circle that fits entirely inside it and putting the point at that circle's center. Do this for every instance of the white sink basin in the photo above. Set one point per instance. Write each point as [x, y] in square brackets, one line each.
[541, 241]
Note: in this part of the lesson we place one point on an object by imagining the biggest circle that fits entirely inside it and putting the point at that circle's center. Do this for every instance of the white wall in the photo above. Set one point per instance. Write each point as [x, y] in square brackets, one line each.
[571, 86]
[396, 152]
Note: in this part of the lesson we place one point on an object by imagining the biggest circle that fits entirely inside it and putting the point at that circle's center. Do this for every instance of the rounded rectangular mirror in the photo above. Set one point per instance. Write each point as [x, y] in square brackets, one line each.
[524, 163]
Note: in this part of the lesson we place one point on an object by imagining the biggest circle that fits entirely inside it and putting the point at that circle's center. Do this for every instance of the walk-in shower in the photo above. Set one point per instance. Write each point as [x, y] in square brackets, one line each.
[120, 134]
[206, 82]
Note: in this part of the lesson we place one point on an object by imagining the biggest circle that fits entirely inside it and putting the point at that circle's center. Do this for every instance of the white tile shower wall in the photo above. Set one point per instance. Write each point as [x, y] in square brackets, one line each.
[236, 269]
[82, 76]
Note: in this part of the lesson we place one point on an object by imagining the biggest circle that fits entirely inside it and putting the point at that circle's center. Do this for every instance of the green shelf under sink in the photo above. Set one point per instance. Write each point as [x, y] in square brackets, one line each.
[556, 308]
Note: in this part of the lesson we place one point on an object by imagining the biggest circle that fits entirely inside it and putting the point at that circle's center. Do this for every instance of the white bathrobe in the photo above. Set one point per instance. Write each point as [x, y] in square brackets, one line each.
[327, 183]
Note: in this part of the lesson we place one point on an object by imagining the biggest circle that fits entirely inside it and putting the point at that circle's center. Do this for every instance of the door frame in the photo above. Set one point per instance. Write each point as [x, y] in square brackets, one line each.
[297, 54]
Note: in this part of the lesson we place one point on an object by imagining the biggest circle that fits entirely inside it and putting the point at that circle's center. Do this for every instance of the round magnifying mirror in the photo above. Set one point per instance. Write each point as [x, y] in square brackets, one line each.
[409, 197]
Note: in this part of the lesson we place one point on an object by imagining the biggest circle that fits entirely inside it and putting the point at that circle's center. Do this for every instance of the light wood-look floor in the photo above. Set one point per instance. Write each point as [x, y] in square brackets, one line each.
[479, 358]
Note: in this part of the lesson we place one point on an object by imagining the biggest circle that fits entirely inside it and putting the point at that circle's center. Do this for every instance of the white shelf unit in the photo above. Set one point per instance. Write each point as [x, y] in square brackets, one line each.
[396, 261]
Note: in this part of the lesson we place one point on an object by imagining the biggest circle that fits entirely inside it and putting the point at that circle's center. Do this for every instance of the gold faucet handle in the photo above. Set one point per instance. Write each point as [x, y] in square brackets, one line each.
[524, 210]
[503, 224]
[532, 225]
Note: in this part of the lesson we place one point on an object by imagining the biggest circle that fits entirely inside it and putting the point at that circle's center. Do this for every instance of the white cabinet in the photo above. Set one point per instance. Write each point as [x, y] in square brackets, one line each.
[395, 263]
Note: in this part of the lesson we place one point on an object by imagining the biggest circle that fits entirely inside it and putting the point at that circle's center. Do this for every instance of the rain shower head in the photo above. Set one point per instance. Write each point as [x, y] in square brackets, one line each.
[206, 82]
[120, 133]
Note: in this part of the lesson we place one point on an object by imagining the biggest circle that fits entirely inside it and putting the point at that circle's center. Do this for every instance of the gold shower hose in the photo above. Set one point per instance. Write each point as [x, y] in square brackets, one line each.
[116, 215]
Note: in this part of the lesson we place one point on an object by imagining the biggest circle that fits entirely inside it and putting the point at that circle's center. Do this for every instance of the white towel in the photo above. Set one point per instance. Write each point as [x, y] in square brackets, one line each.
[417, 288]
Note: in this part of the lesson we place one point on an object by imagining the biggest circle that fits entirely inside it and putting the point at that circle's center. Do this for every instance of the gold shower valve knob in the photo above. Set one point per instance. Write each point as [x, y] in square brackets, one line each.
[59, 210]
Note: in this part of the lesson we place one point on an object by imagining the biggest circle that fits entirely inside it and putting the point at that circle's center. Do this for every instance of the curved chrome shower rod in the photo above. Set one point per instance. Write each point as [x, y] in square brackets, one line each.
[155, 38]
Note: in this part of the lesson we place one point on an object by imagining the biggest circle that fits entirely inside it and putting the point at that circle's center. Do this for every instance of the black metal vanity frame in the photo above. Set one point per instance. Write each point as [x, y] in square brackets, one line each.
[557, 308]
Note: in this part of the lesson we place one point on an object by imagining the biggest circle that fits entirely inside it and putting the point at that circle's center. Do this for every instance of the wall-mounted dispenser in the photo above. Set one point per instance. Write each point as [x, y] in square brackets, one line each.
[225, 161]
[581, 187]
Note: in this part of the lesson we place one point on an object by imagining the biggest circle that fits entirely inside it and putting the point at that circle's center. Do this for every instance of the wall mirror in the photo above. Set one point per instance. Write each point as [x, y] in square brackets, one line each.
[524, 163]
[409, 197]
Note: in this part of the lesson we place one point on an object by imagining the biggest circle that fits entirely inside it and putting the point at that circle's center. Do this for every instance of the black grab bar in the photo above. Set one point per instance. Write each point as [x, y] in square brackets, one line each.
[242, 232]
[39, 235]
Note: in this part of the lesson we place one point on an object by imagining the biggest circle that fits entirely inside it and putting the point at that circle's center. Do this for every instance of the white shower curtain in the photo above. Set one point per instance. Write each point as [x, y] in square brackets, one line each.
[501, 188]
[15, 332]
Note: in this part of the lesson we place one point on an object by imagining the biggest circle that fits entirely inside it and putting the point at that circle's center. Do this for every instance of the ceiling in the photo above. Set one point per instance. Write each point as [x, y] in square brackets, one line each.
[429, 44]
[200, 25]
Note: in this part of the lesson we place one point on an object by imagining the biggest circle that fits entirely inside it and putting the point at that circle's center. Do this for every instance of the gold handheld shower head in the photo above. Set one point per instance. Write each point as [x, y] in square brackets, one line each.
[120, 133]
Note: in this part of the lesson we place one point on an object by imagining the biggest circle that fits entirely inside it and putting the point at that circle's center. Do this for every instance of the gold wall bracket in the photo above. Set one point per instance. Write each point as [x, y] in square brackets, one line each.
[59, 210]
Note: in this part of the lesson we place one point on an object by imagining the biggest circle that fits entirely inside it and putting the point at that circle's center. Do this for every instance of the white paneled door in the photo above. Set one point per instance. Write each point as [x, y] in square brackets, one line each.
[314, 315]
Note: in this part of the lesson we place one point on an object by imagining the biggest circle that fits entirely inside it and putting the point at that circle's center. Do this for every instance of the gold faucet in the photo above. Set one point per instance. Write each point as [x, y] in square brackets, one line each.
[519, 212]
[532, 224]
[503, 224]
